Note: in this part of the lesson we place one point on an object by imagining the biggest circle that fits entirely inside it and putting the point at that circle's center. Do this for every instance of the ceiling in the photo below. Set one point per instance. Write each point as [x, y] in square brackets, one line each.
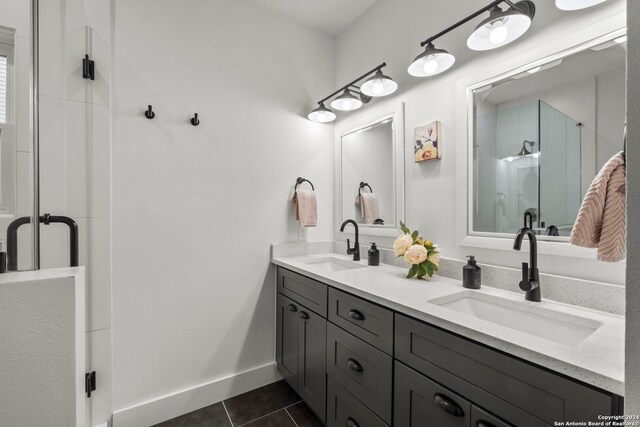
[328, 16]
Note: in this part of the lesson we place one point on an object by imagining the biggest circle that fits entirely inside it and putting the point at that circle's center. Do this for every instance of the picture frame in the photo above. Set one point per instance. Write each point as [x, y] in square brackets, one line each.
[427, 142]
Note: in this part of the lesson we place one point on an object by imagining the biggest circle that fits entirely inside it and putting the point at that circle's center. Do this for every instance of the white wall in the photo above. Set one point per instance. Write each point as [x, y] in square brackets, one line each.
[195, 209]
[444, 98]
[632, 365]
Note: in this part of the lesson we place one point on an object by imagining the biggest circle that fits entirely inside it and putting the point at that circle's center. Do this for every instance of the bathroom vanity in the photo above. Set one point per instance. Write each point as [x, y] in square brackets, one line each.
[363, 346]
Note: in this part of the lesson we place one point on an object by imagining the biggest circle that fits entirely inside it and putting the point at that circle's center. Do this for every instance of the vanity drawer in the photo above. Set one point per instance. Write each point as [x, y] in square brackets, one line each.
[343, 409]
[366, 320]
[481, 418]
[361, 369]
[514, 390]
[422, 402]
[311, 293]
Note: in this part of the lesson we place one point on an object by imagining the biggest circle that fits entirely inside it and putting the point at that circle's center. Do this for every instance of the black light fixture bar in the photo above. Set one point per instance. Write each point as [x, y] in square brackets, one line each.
[352, 83]
[467, 19]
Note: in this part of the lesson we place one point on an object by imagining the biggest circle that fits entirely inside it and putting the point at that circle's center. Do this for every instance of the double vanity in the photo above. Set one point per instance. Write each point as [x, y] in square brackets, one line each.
[364, 346]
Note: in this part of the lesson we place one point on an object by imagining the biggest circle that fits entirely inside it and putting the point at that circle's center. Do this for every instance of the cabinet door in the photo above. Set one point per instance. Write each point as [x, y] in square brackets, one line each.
[421, 402]
[287, 339]
[312, 357]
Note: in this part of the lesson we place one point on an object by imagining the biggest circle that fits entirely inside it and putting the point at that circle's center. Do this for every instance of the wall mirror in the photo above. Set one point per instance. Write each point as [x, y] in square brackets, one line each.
[370, 174]
[540, 134]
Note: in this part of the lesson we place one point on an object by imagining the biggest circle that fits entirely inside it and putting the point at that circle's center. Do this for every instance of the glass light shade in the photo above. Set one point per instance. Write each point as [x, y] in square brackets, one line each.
[431, 62]
[346, 102]
[576, 4]
[322, 115]
[379, 85]
[499, 29]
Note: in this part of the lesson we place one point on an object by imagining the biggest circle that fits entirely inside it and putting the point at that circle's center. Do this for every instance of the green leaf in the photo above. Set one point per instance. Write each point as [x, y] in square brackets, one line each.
[412, 271]
[421, 270]
[432, 266]
[414, 236]
[430, 273]
[404, 228]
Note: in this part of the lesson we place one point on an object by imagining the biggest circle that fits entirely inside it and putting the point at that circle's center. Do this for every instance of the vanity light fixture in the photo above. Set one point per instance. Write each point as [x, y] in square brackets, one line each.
[500, 28]
[524, 151]
[322, 114]
[576, 4]
[346, 102]
[376, 85]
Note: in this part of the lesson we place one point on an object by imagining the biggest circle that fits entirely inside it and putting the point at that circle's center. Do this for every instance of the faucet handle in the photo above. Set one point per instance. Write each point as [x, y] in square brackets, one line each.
[349, 247]
[524, 283]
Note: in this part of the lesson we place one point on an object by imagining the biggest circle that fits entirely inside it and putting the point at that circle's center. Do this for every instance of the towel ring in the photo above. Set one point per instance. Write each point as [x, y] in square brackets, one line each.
[362, 185]
[300, 180]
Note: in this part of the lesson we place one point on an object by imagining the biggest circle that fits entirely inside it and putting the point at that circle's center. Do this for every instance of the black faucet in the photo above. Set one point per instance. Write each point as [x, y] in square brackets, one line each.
[530, 278]
[355, 251]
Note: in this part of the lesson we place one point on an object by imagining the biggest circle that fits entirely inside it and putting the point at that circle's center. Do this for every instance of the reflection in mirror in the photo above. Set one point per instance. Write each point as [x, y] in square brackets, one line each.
[368, 185]
[541, 136]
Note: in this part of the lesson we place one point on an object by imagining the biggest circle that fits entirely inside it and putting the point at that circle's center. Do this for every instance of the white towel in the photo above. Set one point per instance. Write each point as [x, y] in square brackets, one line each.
[306, 207]
[602, 219]
[369, 208]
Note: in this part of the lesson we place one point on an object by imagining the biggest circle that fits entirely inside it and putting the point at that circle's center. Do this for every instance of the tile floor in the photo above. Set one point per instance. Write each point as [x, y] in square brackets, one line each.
[274, 405]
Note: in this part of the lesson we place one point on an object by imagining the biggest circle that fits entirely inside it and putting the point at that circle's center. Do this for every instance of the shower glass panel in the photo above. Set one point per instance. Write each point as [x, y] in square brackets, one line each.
[16, 123]
[527, 161]
[560, 183]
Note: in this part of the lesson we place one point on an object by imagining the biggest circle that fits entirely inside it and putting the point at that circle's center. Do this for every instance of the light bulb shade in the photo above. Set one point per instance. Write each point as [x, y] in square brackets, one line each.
[379, 85]
[322, 115]
[502, 27]
[524, 151]
[576, 4]
[431, 62]
[346, 102]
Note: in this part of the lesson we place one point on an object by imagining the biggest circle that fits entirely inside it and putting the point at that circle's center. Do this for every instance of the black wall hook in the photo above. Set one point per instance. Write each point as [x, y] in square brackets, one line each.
[149, 114]
[88, 68]
[194, 120]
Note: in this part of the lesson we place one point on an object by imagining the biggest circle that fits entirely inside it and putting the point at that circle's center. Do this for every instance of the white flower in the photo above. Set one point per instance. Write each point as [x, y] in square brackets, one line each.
[401, 244]
[416, 254]
[435, 259]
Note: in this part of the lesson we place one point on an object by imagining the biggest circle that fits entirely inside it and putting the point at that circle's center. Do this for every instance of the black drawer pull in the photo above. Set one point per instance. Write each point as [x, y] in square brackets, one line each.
[293, 307]
[483, 423]
[448, 405]
[354, 365]
[356, 315]
[303, 315]
[352, 423]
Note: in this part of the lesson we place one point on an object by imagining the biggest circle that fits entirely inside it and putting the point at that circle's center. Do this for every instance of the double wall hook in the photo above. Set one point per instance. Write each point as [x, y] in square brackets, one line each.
[149, 114]
[194, 120]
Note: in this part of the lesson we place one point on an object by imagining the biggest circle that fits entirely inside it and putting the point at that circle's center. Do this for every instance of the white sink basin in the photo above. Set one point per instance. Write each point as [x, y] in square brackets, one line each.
[541, 322]
[333, 264]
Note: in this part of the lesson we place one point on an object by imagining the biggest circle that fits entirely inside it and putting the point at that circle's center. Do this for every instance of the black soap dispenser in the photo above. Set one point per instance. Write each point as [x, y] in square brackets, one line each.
[374, 255]
[471, 274]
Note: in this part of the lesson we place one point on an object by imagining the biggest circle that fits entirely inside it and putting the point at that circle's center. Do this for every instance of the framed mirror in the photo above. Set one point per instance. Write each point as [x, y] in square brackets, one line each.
[539, 135]
[370, 173]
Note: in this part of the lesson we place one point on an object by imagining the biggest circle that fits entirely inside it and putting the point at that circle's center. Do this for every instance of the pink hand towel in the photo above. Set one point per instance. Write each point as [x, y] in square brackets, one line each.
[369, 208]
[602, 219]
[306, 207]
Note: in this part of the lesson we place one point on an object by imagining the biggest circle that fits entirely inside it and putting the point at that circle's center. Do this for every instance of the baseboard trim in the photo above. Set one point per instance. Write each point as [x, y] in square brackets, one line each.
[180, 402]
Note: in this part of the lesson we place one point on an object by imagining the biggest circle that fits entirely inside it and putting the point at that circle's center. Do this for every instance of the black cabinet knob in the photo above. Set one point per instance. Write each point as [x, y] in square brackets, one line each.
[354, 365]
[352, 423]
[448, 405]
[303, 315]
[356, 315]
[483, 423]
[293, 307]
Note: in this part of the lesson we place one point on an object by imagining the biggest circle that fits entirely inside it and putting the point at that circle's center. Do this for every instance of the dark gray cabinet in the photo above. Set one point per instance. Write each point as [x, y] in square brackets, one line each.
[369, 366]
[301, 347]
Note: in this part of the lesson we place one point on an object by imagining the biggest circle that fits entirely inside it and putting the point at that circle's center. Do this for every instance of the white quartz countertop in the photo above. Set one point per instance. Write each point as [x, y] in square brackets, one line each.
[598, 360]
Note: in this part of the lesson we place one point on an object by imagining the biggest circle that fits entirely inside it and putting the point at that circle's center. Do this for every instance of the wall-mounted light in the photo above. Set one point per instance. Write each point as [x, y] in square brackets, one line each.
[431, 62]
[576, 4]
[501, 27]
[322, 114]
[353, 97]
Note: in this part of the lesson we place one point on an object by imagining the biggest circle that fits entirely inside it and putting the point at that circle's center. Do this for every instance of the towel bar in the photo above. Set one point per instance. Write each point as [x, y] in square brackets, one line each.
[300, 180]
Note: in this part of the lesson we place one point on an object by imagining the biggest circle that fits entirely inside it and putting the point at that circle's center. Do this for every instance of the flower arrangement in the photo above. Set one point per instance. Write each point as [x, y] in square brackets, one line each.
[423, 255]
